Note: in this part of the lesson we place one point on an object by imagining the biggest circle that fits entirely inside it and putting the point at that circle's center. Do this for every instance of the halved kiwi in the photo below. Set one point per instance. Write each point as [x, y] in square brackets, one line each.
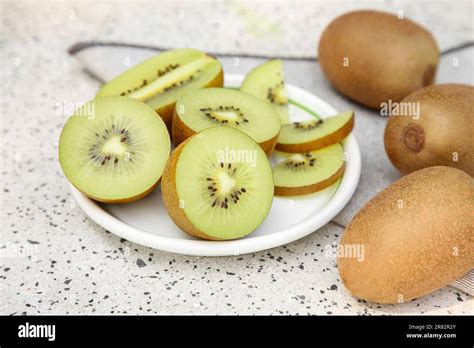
[209, 107]
[266, 82]
[218, 184]
[315, 134]
[304, 173]
[114, 149]
[161, 80]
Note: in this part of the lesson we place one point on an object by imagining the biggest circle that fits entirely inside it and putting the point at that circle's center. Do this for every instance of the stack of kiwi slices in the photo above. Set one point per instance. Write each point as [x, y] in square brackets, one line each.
[313, 157]
[218, 183]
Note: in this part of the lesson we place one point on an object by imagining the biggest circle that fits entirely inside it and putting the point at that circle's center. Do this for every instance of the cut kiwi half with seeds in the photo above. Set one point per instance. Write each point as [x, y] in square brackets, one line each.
[114, 149]
[309, 172]
[218, 184]
[315, 134]
[161, 80]
[210, 107]
[267, 82]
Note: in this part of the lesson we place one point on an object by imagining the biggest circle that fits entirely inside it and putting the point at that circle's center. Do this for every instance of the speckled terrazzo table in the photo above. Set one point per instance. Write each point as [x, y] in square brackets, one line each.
[54, 260]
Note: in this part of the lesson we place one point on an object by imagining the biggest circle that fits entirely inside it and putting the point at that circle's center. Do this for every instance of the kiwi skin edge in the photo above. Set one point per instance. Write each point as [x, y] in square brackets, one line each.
[122, 200]
[180, 132]
[171, 199]
[415, 143]
[323, 142]
[166, 112]
[304, 190]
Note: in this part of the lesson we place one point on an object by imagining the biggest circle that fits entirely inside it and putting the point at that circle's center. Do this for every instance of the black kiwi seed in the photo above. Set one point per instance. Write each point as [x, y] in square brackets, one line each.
[271, 93]
[100, 137]
[308, 126]
[210, 114]
[223, 201]
[310, 161]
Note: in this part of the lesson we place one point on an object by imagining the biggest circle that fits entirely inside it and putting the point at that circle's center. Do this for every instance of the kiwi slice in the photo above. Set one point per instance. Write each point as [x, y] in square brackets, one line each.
[218, 184]
[315, 134]
[161, 80]
[210, 107]
[309, 172]
[114, 149]
[266, 82]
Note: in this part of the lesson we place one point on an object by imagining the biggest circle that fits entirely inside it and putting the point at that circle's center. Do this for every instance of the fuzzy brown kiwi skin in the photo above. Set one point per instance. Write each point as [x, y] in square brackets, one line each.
[323, 142]
[166, 112]
[369, 78]
[410, 250]
[171, 199]
[180, 132]
[412, 144]
[304, 190]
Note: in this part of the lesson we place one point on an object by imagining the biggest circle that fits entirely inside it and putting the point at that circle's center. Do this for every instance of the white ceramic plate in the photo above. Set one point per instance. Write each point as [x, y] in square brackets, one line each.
[146, 222]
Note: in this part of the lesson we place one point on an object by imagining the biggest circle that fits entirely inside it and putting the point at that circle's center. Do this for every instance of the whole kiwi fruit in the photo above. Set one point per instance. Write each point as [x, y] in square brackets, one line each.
[413, 238]
[372, 56]
[441, 134]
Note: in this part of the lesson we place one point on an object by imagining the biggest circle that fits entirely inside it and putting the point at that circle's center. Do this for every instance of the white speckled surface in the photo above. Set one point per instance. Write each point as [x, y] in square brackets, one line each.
[54, 260]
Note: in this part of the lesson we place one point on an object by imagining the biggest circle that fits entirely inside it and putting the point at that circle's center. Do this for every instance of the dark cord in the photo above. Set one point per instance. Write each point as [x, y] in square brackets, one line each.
[80, 46]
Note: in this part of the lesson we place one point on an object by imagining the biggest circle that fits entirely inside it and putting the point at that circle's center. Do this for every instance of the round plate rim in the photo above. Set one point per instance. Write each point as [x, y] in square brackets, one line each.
[190, 247]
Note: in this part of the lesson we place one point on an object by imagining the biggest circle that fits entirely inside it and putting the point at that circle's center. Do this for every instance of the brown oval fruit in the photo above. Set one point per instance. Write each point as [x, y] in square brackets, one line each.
[372, 56]
[438, 130]
[413, 238]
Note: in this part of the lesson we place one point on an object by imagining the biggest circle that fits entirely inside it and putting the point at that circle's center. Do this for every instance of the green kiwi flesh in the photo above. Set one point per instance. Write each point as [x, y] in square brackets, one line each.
[210, 107]
[223, 182]
[315, 134]
[161, 80]
[114, 149]
[266, 82]
[304, 173]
